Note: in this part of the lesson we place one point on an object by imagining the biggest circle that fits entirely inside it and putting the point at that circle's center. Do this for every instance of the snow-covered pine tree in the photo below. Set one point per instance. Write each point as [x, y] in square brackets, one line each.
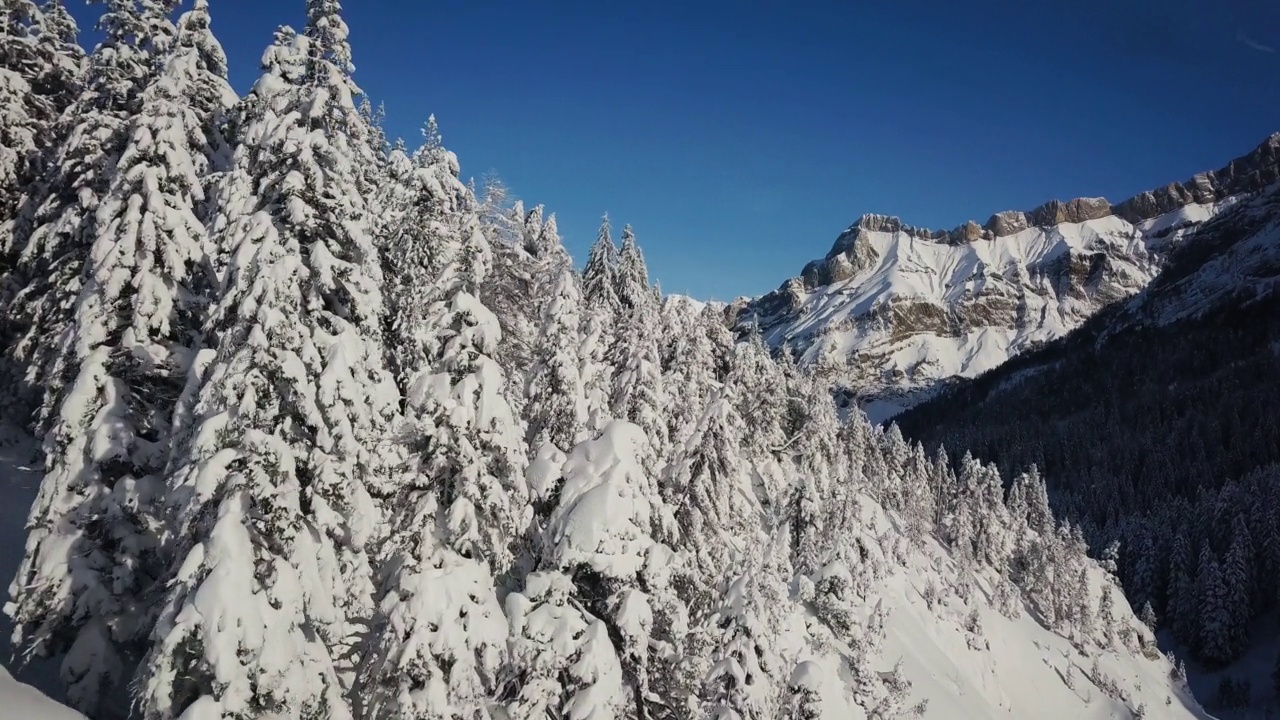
[691, 374]
[1181, 609]
[599, 286]
[762, 396]
[606, 534]
[1081, 609]
[677, 316]
[921, 501]
[1070, 583]
[1039, 569]
[1016, 499]
[803, 697]
[438, 640]
[509, 290]
[596, 372]
[709, 485]
[549, 254]
[1238, 577]
[992, 534]
[816, 475]
[50, 235]
[1217, 636]
[836, 593]
[1147, 616]
[532, 230]
[639, 395]
[821, 477]
[631, 274]
[713, 321]
[40, 67]
[894, 448]
[563, 662]
[418, 247]
[501, 214]
[270, 489]
[1039, 513]
[125, 355]
[744, 681]
[1143, 576]
[393, 196]
[943, 479]
[556, 396]
[375, 176]
[1107, 617]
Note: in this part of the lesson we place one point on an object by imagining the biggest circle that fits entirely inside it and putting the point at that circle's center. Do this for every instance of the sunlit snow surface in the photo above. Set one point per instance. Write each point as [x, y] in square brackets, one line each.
[23, 702]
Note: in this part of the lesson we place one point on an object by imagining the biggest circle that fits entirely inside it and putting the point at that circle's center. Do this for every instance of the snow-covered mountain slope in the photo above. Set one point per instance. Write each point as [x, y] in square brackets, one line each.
[968, 660]
[1154, 424]
[909, 308]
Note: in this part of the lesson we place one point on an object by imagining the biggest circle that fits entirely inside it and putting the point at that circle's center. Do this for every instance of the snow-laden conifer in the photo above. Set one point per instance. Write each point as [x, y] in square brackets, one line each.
[532, 231]
[556, 395]
[711, 489]
[1237, 576]
[270, 488]
[596, 372]
[745, 672]
[1216, 633]
[95, 547]
[40, 66]
[608, 532]
[599, 286]
[815, 475]
[427, 236]
[1181, 609]
[438, 640]
[510, 288]
[762, 398]
[55, 224]
[564, 664]
[692, 372]
[631, 274]
[639, 394]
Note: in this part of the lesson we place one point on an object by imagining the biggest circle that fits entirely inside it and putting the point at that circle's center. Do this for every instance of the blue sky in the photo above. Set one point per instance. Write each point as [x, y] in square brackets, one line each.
[739, 138]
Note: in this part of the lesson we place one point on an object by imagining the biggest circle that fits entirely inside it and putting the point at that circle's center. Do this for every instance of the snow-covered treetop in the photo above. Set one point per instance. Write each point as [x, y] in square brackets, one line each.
[598, 275]
[329, 32]
[608, 505]
[632, 274]
[282, 65]
[195, 34]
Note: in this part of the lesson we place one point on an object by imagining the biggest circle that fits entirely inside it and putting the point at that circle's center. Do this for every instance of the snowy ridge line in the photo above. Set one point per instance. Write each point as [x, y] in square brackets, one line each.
[1246, 174]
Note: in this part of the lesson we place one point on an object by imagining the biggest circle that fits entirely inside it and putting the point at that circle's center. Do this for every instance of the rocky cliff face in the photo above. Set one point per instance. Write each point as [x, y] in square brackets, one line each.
[896, 310]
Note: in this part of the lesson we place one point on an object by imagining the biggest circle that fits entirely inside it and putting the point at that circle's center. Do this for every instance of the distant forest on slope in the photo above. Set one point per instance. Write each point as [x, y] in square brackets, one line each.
[1162, 437]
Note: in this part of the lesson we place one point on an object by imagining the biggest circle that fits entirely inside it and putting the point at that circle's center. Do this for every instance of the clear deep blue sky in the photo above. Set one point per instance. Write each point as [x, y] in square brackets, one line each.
[739, 138]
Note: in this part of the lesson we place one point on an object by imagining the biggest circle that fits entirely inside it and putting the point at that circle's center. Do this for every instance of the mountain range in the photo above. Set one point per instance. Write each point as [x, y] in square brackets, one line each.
[900, 311]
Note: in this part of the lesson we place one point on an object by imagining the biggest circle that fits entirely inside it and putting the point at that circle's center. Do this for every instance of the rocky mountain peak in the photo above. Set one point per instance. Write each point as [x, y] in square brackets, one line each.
[1245, 174]
[910, 307]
